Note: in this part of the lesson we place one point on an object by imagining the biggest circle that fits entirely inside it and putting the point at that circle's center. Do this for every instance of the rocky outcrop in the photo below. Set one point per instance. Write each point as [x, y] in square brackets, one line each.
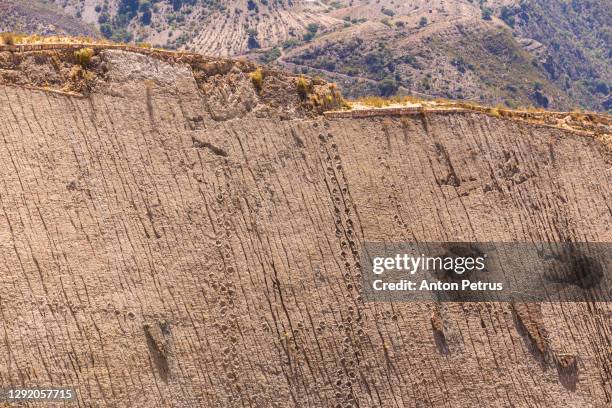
[158, 250]
[229, 88]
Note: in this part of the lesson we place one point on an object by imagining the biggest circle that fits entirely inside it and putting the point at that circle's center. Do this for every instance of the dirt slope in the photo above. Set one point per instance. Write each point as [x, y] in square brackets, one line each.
[157, 252]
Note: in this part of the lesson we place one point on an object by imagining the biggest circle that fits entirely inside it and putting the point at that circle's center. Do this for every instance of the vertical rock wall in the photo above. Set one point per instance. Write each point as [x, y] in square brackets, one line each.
[152, 256]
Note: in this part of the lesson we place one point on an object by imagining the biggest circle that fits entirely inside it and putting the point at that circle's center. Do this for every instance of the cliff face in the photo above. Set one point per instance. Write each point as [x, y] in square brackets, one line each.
[159, 251]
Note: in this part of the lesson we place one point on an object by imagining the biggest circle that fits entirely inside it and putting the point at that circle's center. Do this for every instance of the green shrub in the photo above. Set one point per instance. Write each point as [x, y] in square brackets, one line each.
[313, 28]
[83, 56]
[290, 43]
[388, 86]
[308, 36]
[271, 55]
[146, 17]
[252, 41]
[486, 13]
[507, 14]
[104, 18]
[106, 30]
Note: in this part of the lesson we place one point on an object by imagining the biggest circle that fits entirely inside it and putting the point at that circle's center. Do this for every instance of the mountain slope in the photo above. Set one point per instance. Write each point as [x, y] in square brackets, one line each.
[172, 239]
[452, 51]
[466, 60]
[557, 56]
[578, 45]
[39, 17]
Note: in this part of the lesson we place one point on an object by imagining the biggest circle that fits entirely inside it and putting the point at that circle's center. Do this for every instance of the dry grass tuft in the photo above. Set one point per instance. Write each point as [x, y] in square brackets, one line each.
[83, 56]
[8, 38]
[375, 101]
[257, 77]
[304, 87]
[380, 102]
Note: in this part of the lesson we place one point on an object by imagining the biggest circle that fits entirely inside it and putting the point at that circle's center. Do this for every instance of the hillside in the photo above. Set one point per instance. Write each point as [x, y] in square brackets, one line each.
[42, 18]
[554, 55]
[578, 40]
[527, 54]
[213, 27]
[177, 233]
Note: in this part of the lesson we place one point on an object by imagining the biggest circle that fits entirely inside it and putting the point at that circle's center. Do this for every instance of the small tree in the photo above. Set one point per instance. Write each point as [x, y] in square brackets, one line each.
[387, 86]
[486, 13]
[106, 30]
[146, 17]
[423, 21]
[313, 28]
[252, 39]
[507, 14]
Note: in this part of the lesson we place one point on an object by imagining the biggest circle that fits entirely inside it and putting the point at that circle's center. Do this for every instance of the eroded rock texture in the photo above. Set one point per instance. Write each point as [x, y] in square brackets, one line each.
[155, 257]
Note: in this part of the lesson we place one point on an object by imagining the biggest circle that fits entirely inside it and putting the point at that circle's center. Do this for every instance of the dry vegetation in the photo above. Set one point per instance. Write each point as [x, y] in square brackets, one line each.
[257, 77]
[83, 56]
[10, 38]
[381, 102]
[595, 123]
[72, 65]
[320, 95]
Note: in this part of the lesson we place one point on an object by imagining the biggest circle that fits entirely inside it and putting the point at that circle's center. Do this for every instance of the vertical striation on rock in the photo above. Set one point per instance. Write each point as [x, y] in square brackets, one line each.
[155, 256]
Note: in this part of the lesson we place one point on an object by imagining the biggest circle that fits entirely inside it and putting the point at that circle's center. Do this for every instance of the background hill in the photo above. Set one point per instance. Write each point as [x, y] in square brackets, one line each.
[554, 55]
[44, 18]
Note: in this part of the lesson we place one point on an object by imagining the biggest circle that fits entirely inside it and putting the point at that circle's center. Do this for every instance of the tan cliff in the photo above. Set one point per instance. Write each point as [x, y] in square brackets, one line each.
[176, 234]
